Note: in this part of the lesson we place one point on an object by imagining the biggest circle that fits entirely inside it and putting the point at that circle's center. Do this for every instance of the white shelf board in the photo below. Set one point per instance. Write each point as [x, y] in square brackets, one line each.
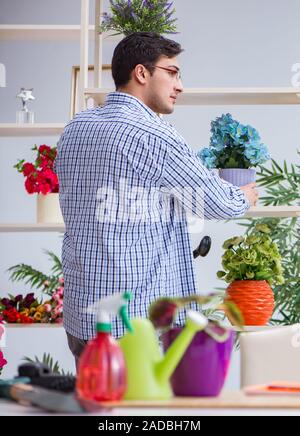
[12, 228]
[258, 211]
[48, 129]
[274, 211]
[32, 325]
[52, 32]
[222, 96]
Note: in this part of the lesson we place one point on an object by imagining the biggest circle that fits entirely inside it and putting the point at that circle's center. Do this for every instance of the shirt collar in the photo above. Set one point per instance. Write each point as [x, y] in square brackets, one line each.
[124, 99]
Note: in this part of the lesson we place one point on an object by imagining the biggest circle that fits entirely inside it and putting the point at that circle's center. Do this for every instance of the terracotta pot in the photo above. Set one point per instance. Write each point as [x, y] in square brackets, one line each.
[48, 209]
[254, 298]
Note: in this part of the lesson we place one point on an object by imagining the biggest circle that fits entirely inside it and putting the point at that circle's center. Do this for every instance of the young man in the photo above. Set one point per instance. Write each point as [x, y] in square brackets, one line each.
[125, 176]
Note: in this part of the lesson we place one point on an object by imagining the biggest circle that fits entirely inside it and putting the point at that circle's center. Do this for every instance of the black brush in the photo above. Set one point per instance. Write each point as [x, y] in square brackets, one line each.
[41, 375]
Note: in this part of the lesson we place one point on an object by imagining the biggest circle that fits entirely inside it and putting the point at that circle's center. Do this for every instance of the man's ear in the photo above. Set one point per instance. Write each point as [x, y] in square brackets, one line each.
[141, 74]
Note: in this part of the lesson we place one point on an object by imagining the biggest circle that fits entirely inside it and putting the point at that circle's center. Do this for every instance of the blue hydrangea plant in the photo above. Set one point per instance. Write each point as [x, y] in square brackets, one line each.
[233, 145]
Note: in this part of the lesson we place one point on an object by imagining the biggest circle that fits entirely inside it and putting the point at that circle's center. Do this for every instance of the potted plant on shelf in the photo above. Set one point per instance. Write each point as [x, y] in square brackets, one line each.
[204, 366]
[41, 179]
[252, 264]
[129, 16]
[282, 187]
[234, 149]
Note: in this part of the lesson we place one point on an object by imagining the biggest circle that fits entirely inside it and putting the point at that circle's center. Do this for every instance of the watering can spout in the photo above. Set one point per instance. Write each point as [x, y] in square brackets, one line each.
[166, 366]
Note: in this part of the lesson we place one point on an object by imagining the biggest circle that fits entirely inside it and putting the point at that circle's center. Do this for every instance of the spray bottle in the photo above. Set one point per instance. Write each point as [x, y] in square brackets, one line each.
[102, 374]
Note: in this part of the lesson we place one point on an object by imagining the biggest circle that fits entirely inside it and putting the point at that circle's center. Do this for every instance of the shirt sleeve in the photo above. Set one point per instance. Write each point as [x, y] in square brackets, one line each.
[200, 191]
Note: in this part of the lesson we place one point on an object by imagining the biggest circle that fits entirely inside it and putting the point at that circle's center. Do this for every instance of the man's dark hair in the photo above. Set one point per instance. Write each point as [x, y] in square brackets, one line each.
[140, 48]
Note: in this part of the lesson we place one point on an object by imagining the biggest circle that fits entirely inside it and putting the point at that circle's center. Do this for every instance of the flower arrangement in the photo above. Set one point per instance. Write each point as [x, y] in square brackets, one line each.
[29, 309]
[129, 16]
[252, 257]
[233, 145]
[40, 177]
[3, 362]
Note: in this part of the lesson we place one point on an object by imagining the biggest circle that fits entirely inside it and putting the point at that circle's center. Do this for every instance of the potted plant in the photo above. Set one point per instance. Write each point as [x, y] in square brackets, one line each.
[204, 366]
[129, 16]
[252, 263]
[282, 187]
[234, 149]
[41, 179]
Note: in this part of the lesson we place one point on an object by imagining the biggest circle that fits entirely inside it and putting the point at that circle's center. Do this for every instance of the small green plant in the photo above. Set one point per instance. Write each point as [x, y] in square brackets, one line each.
[129, 16]
[252, 257]
[46, 283]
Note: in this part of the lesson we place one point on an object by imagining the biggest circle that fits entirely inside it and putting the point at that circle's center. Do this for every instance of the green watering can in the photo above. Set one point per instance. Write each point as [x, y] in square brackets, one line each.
[148, 370]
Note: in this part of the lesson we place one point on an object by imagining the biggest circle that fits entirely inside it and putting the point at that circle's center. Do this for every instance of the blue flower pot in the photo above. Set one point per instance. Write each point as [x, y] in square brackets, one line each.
[238, 176]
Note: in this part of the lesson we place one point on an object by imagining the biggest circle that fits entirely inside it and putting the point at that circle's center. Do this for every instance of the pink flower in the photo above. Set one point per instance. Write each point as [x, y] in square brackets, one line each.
[1, 330]
[57, 310]
[2, 360]
[61, 280]
[55, 296]
[47, 307]
[58, 320]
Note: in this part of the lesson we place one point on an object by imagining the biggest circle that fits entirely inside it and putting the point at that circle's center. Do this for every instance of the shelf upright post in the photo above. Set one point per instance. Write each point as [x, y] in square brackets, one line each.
[84, 50]
[98, 45]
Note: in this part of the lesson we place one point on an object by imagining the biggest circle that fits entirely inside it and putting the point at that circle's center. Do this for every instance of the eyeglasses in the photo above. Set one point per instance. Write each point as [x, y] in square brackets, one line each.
[175, 74]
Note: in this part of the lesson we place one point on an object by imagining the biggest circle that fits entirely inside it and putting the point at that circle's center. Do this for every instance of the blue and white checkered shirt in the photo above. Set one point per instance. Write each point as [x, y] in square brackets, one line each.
[127, 181]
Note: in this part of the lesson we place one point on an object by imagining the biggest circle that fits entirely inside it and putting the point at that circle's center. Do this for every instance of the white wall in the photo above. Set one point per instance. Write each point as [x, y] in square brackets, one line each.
[232, 43]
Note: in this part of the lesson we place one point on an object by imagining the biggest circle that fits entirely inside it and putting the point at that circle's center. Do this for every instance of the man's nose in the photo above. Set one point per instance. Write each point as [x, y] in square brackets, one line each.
[179, 86]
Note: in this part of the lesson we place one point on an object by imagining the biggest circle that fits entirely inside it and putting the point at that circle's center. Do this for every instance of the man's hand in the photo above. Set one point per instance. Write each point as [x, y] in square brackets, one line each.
[251, 193]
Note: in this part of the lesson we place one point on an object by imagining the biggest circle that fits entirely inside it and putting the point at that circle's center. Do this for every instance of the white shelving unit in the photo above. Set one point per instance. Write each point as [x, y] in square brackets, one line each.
[254, 212]
[220, 96]
[47, 32]
[29, 228]
[191, 96]
[46, 129]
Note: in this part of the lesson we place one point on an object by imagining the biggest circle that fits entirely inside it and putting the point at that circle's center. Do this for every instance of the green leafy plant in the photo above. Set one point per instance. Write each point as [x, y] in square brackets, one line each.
[282, 187]
[46, 283]
[129, 16]
[48, 360]
[252, 257]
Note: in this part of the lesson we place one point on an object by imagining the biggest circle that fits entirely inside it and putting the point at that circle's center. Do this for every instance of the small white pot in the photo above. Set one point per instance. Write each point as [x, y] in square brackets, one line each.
[238, 176]
[48, 209]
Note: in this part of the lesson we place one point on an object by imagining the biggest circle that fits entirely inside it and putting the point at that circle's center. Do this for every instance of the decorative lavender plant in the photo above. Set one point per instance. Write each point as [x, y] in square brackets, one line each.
[129, 16]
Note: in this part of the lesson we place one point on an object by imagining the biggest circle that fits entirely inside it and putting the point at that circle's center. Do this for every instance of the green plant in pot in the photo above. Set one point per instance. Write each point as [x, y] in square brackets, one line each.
[252, 264]
[129, 16]
[235, 149]
[282, 187]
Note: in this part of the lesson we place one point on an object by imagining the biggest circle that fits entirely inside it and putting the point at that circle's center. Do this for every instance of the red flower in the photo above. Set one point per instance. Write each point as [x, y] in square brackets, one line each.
[11, 315]
[28, 169]
[44, 149]
[30, 186]
[24, 319]
[40, 177]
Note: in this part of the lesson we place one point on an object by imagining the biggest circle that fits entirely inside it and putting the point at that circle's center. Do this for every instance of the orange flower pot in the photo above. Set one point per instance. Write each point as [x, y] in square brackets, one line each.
[254, 298]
